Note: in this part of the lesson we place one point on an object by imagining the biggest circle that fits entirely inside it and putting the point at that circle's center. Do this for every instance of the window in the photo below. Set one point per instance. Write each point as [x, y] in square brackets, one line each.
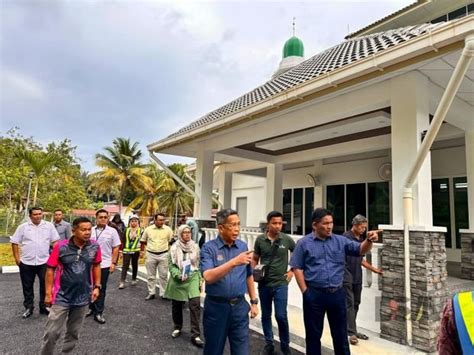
[369, 199]
[335, 203]
[298, 205]
[441, 206]
[461, 209]
[287, 210]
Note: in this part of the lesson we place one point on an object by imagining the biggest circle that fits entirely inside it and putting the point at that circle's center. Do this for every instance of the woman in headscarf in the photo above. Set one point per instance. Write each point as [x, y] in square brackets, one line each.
[184, 283]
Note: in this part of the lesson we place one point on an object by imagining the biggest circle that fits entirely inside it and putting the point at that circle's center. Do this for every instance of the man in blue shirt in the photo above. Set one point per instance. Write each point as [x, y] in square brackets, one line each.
[318, 263]
[225, 266]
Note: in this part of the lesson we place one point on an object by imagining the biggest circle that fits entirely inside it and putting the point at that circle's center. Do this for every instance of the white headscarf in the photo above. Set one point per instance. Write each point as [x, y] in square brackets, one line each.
[180, 248]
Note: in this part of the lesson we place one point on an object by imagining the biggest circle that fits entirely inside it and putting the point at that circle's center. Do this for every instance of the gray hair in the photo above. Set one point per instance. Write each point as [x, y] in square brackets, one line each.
[359, 219]
[223, 214]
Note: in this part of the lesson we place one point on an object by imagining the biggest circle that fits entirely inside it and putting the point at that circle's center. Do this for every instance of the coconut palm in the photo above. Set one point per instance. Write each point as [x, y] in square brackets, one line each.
[165, 194]
[120, 169]
[39, 162]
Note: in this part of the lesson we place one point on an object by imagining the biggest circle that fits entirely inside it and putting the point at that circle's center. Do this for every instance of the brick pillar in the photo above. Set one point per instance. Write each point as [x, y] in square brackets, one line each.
[467, 254]
[428, 285]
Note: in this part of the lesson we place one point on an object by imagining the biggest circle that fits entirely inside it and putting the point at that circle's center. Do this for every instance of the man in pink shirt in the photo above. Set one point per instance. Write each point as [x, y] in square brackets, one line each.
[72, 282]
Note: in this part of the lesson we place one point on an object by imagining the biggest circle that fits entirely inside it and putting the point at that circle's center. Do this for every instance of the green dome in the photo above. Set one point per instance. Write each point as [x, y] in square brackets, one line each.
[293, 47]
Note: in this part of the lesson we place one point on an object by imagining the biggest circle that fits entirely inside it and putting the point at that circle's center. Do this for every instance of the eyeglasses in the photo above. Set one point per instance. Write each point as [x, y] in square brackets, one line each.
[231, 225]
[101, 217]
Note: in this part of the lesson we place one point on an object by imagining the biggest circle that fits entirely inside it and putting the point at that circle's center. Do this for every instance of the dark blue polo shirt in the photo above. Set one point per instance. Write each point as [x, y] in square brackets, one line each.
[215, 253]
[323, 261]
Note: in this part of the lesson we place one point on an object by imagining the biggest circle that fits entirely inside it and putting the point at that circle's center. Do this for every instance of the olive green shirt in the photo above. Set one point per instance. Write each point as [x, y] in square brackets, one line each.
[276, 270]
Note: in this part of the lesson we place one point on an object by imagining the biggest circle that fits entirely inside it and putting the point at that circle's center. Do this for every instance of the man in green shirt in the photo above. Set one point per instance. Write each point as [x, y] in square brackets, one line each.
[272, 249]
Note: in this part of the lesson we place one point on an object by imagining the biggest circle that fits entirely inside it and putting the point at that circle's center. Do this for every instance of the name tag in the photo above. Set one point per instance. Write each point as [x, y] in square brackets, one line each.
[220, 257]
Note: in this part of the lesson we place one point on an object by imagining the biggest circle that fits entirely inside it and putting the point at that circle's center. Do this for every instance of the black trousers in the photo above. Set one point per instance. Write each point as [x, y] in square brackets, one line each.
[195, 315]
[99, 305]
[126, 264]
[27, 275]
[318, 303]
[353, 295]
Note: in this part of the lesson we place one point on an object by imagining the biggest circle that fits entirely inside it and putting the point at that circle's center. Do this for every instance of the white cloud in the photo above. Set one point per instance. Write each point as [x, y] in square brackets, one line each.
[19, 84]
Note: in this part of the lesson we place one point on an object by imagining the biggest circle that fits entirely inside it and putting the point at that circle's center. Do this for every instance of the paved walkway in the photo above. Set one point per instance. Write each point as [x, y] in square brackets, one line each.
[134, 326]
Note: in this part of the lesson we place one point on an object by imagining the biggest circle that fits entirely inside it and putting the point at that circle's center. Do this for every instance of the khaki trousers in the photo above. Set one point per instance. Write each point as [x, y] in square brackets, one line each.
[58, 315]
[152, 263]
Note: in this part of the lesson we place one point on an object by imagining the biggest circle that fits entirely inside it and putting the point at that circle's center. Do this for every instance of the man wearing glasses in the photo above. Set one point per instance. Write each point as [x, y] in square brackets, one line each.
[225, 266]
[70, 267]
[156, 239]
[109, 242]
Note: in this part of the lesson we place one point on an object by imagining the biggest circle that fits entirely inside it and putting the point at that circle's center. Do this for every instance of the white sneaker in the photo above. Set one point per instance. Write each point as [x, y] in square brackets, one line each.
[176, 333]
[134, 282]
[121, 285]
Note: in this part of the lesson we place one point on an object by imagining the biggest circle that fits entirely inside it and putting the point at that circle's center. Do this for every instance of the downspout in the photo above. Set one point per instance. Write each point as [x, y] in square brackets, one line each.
[173, 175]
[439, 116]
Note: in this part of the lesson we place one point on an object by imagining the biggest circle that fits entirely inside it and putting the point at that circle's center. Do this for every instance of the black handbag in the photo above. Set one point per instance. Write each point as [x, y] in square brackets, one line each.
[260, 271]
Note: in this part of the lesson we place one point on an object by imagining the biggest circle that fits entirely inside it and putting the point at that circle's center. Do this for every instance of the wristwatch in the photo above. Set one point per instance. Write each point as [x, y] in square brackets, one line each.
[255, 301]
[98, 286]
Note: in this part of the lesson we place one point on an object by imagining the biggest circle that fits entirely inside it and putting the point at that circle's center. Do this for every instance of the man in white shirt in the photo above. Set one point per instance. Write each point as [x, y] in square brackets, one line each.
[109, 242]
[35, 238]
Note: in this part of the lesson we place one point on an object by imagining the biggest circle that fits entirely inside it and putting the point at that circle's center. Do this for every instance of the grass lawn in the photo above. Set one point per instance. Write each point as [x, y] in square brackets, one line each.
[6, 256]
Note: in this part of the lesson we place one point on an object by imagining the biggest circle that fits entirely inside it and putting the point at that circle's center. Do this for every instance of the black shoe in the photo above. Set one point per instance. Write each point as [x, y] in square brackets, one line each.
[165, 298]
[99, 318]
[269, 349]
[286, 351]
[90, 312]
[44, 311]
[28, 313]
[197, 342]
[149, 297]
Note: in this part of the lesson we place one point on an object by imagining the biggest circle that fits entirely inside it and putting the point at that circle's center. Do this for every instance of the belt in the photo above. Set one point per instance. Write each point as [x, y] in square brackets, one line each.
[157, 252]
[326, 289]
[232, 301]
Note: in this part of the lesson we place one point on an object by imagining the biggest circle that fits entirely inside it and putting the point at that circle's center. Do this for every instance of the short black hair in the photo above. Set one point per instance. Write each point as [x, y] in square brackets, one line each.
[58, 210]
[35, 208]
[319, 214]
[80, 220]
[101, 211]
[274, 214]
[223, 214]
[159, 214]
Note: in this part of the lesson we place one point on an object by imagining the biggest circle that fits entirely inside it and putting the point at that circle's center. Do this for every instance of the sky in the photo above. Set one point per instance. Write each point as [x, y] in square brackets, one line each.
[91, 71]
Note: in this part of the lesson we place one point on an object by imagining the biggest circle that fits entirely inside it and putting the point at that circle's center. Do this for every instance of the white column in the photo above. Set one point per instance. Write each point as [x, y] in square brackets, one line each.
[225, 187]
[469, 140]
[203, 187]
[410, 117]
[274, 189]
[318, 190]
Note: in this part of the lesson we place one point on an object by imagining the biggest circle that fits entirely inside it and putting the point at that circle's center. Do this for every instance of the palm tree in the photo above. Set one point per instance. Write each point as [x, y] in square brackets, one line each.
[39, 162]
[121, 169]
[165, 194]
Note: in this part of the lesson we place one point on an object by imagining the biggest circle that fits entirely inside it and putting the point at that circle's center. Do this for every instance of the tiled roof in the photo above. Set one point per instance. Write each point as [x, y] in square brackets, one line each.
[331, 59]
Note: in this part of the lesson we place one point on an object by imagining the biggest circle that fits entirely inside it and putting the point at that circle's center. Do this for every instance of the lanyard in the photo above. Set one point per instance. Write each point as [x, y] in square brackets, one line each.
[98, 235]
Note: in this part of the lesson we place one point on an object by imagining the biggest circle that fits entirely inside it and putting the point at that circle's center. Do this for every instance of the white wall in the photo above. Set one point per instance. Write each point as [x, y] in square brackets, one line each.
[252, 187]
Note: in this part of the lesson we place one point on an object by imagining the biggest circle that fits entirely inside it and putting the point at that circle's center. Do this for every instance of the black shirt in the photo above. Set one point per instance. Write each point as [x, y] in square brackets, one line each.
[353, 270]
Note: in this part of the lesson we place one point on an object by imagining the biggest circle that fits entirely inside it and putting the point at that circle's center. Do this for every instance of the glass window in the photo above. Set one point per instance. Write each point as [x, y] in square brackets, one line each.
[470, 8]
[355, 202]
[297, 227]
[461, 12]
[287, 210]
[461, 209]
[335, 203]
[308, 210]
[441, 210]
[443, 18]
[379, 204]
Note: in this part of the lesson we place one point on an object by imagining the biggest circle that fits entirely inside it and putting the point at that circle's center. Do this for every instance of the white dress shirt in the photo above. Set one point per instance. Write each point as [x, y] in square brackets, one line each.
[35, 241]
[107, 239]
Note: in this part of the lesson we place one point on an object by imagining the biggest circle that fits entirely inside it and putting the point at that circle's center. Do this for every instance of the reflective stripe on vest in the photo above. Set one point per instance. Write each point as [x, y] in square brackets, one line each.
[464, 317]
[131, 247]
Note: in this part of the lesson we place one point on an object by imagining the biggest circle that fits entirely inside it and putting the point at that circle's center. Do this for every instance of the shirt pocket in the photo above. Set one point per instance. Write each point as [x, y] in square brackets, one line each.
[337, 257]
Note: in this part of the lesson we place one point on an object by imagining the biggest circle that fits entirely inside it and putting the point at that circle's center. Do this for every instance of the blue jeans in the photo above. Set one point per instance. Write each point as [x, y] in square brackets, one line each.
[223, 320]
[316, 303]
[279, 296]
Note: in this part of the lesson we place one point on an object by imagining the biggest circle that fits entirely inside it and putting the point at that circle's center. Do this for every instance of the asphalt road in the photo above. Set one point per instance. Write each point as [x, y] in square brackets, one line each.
[134, 326]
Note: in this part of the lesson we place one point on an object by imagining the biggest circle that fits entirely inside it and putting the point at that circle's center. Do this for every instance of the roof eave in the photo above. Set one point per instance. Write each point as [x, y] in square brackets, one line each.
[433, 41]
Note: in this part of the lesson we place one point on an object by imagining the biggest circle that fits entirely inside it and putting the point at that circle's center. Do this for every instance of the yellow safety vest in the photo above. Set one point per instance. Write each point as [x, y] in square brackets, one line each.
[132, 246]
